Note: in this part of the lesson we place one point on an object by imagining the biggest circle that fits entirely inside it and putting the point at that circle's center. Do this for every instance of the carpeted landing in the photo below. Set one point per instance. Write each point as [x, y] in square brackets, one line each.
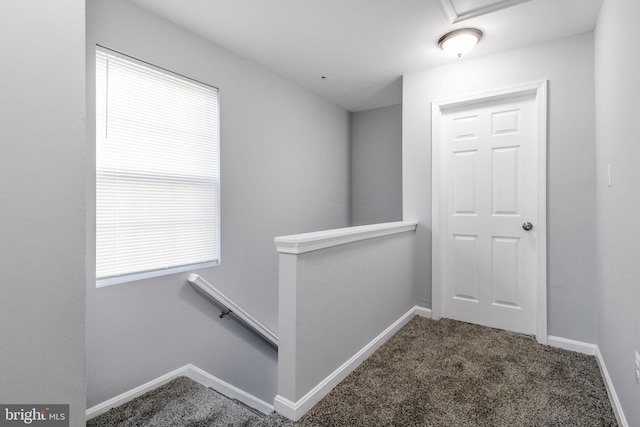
[431, 373]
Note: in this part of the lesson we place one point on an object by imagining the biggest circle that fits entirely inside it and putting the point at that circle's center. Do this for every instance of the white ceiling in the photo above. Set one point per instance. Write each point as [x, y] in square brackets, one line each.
[363, 47]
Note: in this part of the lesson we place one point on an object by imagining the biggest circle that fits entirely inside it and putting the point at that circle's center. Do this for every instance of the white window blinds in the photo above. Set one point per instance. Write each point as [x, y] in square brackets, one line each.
[157, 171]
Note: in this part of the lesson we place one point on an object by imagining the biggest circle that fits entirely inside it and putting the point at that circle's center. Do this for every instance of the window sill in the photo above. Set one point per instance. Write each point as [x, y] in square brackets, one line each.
[108, 281]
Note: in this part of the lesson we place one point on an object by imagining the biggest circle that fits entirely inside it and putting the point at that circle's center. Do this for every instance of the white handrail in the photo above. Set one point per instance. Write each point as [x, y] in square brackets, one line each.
[307, 242]
[233, 308]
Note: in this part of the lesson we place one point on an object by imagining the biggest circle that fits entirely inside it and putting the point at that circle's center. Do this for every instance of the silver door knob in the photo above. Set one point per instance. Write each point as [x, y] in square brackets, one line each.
[527, 226]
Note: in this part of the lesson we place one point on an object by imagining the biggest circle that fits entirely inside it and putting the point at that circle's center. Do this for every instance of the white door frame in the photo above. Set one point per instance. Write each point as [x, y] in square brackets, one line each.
[539, 90]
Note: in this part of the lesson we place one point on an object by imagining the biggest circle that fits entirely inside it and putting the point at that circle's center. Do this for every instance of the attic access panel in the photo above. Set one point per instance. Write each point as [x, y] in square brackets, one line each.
[460, 10]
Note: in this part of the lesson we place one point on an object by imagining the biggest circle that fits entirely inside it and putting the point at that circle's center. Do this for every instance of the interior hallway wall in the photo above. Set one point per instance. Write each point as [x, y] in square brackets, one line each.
[376, 161]
[617, 60]
[42, 199]
[285, 170]
[568, 66]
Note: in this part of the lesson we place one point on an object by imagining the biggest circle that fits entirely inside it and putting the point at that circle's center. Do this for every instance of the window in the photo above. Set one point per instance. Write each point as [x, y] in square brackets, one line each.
[157, 171]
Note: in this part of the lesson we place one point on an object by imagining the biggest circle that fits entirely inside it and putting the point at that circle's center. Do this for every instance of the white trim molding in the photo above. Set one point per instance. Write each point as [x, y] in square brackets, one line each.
[539, 91]
[423, 312]
[189, 371]
[572, 345]
[611, 391]
[295, 410]
[307, 242]
[125, 397]
[453, 16]
[227, 389]
[594, 350]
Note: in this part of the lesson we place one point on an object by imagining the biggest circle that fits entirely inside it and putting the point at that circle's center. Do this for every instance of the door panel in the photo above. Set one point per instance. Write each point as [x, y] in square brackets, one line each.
[505, 181]
[464, 178]
[505, 269]
[465, 255]
[464, 127]
[504, 122]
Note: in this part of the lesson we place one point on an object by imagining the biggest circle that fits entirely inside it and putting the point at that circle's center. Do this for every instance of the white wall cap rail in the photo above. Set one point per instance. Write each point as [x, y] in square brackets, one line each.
[307, 242]
[234, 308]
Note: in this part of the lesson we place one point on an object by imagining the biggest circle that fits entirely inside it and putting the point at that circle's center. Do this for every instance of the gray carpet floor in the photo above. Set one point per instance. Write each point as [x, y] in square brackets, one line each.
[431, 373]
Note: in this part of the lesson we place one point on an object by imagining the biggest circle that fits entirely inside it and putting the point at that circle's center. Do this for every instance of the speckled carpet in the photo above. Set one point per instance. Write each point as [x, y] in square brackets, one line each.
[431, 373]
[184, 403]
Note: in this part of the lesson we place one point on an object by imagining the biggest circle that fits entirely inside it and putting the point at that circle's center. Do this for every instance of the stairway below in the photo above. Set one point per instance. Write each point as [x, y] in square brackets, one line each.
[184, 402]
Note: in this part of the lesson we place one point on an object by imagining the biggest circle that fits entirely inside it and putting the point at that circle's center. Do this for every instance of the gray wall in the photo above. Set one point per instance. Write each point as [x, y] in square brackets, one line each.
[42, 199]
[277, 144]
[376, 161]
[568, 65]
[617, 93]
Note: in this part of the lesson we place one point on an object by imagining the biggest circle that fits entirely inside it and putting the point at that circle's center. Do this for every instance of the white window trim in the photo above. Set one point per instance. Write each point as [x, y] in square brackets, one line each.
[107, 281]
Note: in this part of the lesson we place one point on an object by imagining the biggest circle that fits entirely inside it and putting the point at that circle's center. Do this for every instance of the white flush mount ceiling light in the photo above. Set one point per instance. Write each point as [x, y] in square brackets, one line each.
[460, 42]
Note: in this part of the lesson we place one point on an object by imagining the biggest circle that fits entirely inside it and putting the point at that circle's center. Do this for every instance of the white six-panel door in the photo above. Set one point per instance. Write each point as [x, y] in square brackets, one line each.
[487, 197]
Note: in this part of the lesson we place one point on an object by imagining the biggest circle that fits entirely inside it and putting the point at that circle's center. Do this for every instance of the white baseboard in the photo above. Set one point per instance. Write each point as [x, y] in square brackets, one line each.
[613, 396]
[593, 350]
[289, 409]
[572, 345]
[227, 389]
[189, 371]
[120, 399]
[295, 410]
[423, 312]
